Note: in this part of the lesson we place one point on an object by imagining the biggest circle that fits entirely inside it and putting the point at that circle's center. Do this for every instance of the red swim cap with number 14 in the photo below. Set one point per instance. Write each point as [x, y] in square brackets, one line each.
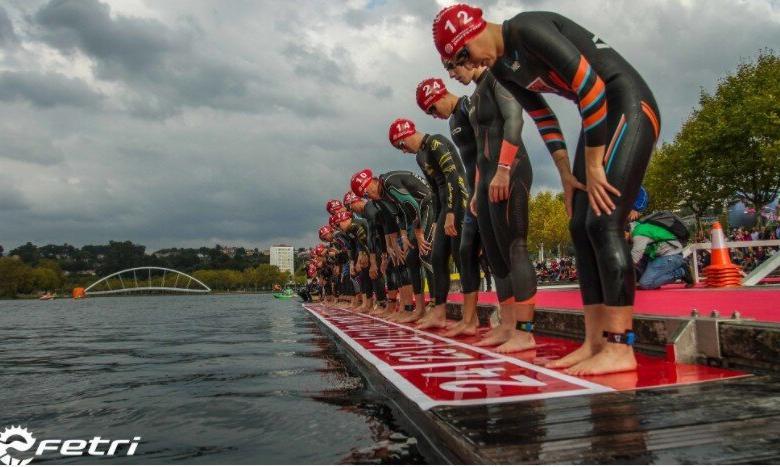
[454, 26]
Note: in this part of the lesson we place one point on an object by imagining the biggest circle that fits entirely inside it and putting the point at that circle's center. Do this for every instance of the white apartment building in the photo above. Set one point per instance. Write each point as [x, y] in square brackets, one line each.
[283, 257]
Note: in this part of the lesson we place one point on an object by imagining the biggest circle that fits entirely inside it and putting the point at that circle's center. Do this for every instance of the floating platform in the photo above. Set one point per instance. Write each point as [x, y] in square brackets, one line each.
[470, 405]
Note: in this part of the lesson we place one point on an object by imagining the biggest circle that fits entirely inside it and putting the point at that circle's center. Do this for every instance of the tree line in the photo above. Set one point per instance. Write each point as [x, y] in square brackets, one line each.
[727, 150]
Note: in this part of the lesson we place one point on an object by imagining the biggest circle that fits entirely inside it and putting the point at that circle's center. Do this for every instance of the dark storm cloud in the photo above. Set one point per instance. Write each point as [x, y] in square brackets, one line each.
[188, 122]
[46, 89]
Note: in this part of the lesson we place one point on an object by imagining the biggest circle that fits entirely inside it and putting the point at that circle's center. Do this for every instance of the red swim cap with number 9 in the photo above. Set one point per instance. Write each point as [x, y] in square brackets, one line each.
[429, 92]
[454, 26]
[400, 128]
[360, 181]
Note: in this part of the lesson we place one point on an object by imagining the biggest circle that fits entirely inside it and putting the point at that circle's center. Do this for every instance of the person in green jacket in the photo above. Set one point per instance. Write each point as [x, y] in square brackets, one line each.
[657, 256]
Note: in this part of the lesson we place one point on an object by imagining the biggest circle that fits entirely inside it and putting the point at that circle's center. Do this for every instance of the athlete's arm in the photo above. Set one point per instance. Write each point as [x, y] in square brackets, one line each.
[456, 185]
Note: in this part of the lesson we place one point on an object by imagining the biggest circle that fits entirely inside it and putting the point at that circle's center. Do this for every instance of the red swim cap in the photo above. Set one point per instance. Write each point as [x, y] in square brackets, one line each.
[400, 129]
[429, 92]
[325, 230]
[319, 250]
[333, 206]
[360, 181]
[349, 198]
[455, 26]
[339, 217]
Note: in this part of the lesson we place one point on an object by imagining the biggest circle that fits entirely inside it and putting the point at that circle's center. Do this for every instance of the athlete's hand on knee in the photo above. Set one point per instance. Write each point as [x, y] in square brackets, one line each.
[422, 244]
[570, 185]
[449, 225]
[373, 271]
[599, 189]
[499, 186]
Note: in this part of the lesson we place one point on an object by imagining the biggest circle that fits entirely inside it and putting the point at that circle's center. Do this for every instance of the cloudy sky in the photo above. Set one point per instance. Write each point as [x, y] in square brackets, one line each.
[189, 123]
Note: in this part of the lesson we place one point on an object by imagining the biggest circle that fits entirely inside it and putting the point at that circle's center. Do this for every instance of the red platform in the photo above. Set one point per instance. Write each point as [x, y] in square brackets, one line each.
[760, 304]
[433, 370]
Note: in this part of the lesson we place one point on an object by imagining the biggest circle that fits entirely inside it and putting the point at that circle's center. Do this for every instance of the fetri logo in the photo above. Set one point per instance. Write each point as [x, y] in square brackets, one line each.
[20, 441]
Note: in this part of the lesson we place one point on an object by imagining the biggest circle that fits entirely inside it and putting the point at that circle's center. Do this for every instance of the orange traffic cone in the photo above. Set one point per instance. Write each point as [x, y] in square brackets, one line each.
[721, 272]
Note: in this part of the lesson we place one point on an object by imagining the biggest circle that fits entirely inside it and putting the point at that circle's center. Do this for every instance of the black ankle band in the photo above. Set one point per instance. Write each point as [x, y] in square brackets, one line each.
[628, 337]
[526, 326]
[409, 308]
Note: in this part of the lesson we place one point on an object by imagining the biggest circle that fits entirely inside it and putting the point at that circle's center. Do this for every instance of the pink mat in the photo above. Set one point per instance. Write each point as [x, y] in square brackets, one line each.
[758, 304]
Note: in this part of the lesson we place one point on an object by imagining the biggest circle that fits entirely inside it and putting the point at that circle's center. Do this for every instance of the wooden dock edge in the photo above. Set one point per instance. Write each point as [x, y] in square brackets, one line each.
[436, 440]
[723, 342]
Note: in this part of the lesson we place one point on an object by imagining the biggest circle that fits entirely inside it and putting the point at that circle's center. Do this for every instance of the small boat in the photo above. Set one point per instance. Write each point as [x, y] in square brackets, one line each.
[285, 294]
[47, 296]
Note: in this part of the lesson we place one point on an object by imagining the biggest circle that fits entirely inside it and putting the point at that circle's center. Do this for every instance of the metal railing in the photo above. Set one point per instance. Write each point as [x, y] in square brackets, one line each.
[760, 272]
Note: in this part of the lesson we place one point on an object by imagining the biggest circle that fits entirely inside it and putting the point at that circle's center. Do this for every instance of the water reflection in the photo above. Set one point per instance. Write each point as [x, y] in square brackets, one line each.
[217, 379]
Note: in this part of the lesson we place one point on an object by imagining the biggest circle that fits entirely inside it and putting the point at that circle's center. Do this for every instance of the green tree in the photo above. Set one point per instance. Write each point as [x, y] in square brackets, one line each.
[15, 277]
[28, 253]
[548, 222]
[746, 107]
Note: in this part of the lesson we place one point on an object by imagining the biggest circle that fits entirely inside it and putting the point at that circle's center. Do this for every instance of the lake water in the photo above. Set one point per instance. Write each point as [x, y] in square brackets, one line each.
[201, 379]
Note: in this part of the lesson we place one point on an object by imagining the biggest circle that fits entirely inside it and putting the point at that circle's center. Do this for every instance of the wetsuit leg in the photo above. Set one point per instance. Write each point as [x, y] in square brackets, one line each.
[604, 267]
[440, 261]
[469, 254]
[522, 271]
[413, 266]
[391, 274]
[489, 241]
[378, 285]
[366, 285]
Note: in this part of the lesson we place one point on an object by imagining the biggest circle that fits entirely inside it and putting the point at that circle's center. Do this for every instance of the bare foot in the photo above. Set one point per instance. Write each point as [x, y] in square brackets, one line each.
[499, 336]
[433, 321]
[519, 342]
[613, 358]
[410, 317]
[583, 353]
[461, 328]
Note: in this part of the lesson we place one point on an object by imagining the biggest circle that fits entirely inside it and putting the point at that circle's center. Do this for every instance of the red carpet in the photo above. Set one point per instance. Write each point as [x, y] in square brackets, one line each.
[759, 304]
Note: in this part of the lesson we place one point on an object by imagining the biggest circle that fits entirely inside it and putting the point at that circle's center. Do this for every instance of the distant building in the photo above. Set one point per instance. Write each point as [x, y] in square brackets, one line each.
[283, 256]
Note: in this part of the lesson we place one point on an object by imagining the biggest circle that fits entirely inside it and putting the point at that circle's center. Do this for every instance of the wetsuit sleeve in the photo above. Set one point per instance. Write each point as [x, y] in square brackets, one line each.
[455, 182]
[543, 116]
[435, 190]
[570, 68]
[512, 114]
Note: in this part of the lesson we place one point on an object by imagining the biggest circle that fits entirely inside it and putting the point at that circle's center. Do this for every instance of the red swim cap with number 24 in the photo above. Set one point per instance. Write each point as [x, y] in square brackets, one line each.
[454, 26]
[429, 92]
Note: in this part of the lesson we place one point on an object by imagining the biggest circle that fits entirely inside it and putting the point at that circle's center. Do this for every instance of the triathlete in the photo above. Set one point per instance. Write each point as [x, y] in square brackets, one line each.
[441, 165]
[340, 260]
[434, 99]
[382, 220]
[546, 52]
[408, 192]
[347, 283]
[363, 257]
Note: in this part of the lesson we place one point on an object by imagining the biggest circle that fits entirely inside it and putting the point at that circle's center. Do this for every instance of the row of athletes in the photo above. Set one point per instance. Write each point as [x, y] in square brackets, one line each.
[475, 197]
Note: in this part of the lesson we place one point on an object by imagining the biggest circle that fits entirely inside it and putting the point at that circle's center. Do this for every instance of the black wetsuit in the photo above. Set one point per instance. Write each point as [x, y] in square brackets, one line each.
[382, 216]
[546, 52]
[463, 136]
[345, 285]
[497, 117]
[409, 193]
[440, 163]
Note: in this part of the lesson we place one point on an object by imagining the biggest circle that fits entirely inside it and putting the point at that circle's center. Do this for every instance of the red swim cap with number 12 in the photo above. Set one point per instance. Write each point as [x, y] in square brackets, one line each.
[454, 26]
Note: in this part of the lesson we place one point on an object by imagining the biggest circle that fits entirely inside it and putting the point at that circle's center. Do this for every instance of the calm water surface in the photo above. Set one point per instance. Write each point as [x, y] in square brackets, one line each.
[202, 379]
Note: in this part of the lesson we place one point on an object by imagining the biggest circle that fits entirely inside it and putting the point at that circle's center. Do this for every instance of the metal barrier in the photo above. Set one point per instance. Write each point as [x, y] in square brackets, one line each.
[755, 276]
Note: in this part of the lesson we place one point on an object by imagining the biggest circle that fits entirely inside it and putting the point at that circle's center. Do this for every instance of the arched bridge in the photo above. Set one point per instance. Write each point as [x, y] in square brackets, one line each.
[147, 279]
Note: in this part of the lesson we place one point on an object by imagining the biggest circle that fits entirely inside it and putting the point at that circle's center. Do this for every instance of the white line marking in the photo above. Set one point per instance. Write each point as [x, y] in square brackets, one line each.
[423, 400]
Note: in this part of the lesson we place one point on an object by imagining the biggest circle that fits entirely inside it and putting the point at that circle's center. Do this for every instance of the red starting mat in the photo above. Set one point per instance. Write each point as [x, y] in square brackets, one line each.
[432, 370]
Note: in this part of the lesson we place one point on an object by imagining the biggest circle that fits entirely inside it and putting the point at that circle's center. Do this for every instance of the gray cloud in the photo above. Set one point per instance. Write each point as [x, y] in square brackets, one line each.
[46, 89]
[7, 34]
[188, 122]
